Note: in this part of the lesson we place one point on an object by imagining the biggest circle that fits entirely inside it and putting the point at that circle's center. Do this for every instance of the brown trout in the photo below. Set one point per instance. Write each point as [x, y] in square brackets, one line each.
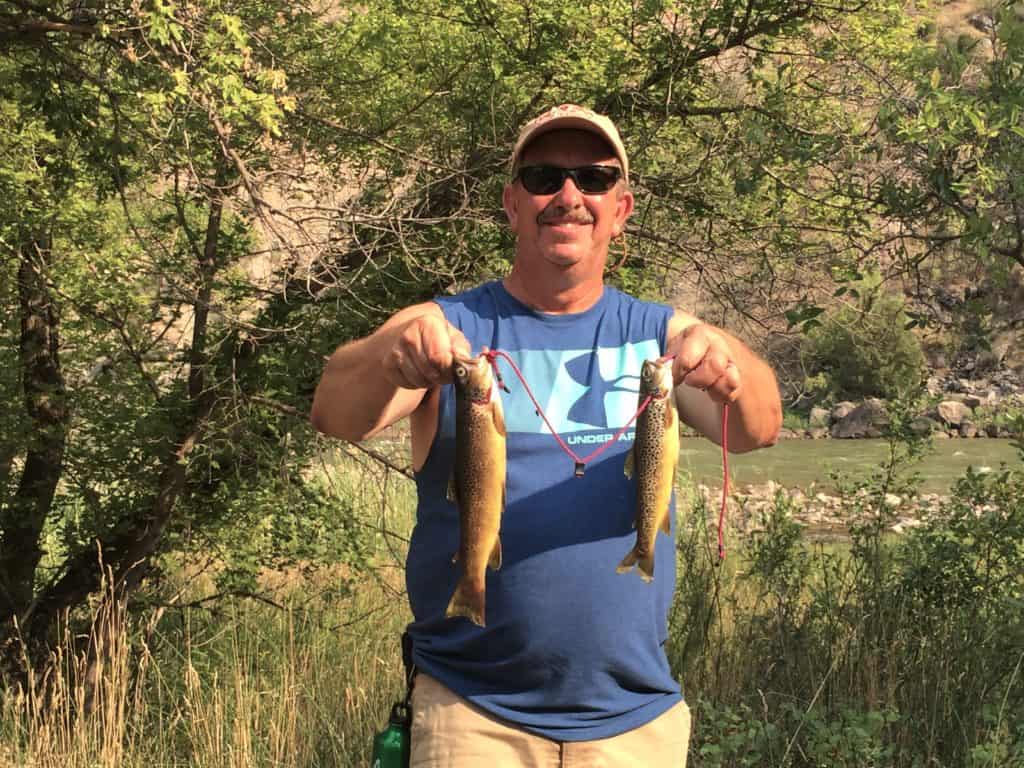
[652, 460]
[477, 485]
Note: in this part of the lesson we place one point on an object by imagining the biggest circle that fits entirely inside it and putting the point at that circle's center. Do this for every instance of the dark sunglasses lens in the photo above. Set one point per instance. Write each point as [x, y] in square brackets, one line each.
[597, 178]
[542, 179]
[548, 179]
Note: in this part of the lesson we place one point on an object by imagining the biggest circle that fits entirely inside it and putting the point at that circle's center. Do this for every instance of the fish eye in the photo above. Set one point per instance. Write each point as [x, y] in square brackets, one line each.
[460, 371]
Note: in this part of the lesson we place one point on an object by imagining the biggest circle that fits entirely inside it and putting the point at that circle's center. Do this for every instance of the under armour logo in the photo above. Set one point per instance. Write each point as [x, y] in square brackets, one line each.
[590, 408]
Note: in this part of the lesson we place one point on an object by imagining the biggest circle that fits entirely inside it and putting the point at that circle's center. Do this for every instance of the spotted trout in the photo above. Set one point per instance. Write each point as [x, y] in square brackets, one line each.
[652, 461]
[477, 484]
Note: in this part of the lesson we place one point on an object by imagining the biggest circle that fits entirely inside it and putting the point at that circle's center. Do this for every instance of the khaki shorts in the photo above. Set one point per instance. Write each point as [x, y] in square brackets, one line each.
[449, 732]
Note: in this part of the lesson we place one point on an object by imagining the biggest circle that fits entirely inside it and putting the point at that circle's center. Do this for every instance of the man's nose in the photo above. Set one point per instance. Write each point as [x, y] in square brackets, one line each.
[569, 196]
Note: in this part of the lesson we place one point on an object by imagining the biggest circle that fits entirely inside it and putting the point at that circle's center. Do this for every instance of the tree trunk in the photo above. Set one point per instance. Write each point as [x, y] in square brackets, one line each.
[46, 403]
[127, 554]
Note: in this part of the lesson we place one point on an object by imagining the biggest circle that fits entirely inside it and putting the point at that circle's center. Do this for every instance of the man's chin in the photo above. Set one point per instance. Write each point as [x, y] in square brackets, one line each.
[563, 257]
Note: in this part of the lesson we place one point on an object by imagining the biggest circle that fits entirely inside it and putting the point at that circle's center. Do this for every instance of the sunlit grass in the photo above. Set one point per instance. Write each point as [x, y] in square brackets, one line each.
[785, 647]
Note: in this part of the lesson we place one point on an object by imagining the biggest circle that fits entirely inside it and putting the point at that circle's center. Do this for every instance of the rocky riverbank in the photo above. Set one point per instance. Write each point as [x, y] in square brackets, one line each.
[823, 515]
[963, 406]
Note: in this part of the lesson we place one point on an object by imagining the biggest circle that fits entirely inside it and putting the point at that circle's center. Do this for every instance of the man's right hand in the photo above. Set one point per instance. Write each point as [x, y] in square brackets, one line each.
[423, 353]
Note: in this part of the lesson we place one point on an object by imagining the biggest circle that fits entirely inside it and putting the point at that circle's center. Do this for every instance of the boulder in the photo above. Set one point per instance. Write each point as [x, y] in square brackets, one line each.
[952, 412]
[841, 410]
[922, 425]
[819, 417]
[982, 22]
[866, 420]
[992, 430]
[817, 433]
[968, 429]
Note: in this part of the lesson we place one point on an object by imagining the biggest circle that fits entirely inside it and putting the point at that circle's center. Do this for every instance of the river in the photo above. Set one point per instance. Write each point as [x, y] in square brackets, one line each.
[799, 463]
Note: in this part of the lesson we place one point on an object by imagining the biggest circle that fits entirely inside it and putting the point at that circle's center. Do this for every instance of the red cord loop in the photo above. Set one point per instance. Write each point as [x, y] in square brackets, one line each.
[492, 356]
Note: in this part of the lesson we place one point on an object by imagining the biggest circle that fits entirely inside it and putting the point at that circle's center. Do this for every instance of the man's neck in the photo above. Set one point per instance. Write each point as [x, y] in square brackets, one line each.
[562, 295]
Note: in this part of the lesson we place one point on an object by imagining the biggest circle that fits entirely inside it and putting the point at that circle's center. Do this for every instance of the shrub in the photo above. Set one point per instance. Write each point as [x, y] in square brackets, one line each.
[865, 351]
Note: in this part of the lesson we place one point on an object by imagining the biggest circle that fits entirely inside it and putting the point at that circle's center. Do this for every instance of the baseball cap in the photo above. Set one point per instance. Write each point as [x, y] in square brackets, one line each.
[579, 118]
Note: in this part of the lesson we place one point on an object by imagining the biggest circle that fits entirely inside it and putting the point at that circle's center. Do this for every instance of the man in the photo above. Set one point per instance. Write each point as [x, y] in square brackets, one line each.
[570, 668]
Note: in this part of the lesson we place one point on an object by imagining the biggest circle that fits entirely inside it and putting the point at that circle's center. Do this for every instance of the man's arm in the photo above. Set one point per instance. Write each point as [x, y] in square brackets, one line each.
[369, 384]
[713, 367]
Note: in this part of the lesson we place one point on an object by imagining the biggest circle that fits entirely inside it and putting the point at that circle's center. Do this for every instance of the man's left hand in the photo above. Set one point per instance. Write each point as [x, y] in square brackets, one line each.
[704, 361]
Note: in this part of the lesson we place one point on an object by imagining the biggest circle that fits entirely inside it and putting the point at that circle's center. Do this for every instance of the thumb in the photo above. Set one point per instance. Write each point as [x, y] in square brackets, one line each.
[459, 343]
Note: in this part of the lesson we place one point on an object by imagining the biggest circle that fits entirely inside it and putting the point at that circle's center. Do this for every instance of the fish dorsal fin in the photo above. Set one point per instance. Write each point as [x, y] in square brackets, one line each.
[666, 522]
[629, 466]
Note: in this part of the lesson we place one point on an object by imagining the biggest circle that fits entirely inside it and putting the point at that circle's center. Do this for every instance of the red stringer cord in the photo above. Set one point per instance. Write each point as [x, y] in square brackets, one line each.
[492, 356]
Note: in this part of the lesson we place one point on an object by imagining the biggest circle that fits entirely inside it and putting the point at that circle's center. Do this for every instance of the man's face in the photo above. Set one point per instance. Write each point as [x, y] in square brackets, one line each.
[567, 228]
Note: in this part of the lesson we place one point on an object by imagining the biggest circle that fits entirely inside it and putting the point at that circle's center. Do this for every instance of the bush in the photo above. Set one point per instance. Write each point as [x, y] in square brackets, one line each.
[865, 351]
[876, 650]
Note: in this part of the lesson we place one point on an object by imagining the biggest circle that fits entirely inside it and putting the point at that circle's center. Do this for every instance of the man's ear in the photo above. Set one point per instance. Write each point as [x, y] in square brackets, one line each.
[508, 202]
[624, 208]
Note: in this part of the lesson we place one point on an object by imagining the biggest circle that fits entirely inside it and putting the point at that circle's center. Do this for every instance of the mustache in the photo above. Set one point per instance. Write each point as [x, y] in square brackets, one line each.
[556, 213]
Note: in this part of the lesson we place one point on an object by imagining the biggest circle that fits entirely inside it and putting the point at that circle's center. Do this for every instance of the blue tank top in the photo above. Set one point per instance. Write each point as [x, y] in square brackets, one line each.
[572, 650]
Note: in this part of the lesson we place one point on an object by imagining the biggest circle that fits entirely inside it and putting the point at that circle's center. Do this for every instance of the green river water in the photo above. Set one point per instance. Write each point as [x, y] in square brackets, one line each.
[799, 463]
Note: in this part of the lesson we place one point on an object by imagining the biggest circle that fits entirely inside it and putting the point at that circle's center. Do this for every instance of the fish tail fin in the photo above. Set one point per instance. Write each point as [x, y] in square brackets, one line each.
[468, 601]
[628, 561]
[645, 563]
[646, 567]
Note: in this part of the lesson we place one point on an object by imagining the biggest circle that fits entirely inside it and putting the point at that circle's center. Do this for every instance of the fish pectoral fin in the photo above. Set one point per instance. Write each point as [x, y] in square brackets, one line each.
[627, 468]
[494, 561]
[498, 415]
[453, 491]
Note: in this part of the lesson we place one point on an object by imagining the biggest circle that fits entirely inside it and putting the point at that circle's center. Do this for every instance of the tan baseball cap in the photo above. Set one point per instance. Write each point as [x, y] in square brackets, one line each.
[572, 116]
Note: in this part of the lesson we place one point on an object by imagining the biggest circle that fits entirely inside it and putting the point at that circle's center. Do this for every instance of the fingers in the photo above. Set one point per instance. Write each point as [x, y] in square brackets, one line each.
[460, 346]
[423, 354]
[703, 361]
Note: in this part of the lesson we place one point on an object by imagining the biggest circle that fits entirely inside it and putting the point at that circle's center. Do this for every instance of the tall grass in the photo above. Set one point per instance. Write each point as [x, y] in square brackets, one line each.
[876, 651]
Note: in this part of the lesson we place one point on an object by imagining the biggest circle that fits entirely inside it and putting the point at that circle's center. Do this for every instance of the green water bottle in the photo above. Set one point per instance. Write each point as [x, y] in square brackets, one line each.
[391, 746]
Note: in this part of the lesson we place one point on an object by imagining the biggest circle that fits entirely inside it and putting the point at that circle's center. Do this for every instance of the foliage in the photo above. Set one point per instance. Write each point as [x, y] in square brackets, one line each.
[865, 349]
[863, 652]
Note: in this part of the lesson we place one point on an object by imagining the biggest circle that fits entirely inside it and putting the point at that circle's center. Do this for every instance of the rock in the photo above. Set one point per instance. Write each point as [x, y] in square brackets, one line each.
[788, 434]
[941, 434]
[892, 500]
[866, 420]
[906, 522]
[819, 417]
[952, 412]
[923, 425]
[817, 433]
[973, 401]
[841, 410]
[968, 429]
[982, 22]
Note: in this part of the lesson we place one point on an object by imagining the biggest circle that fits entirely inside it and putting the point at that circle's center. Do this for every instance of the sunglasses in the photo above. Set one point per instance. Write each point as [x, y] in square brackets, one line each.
[548, 179]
